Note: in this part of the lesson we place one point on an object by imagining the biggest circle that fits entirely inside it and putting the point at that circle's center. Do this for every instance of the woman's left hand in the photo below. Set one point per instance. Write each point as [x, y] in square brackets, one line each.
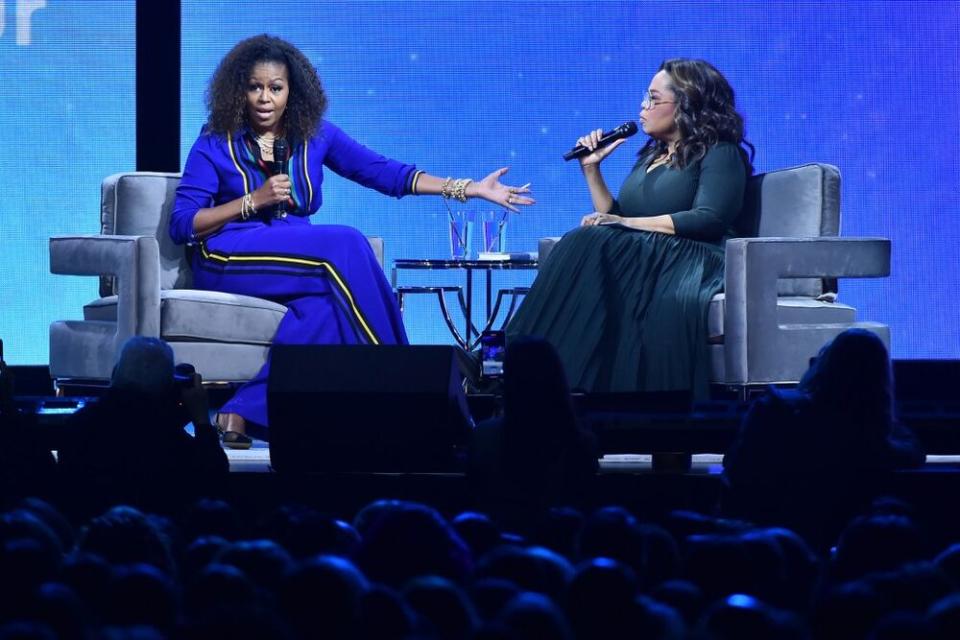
[595, 218]
[491, 190]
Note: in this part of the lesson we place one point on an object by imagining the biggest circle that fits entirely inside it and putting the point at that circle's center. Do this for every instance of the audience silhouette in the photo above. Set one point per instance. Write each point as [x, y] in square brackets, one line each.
[535, 455]
[131, 445]
[544, 566]
[27, 467]
[131, 574]
[812, 457]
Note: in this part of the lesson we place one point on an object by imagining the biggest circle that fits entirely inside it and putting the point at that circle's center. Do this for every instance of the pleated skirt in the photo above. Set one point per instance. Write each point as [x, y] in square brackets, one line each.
[626, 310]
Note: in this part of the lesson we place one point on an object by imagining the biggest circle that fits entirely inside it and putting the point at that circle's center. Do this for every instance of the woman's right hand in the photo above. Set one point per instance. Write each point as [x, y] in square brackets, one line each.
[591, 141]
[274, 191]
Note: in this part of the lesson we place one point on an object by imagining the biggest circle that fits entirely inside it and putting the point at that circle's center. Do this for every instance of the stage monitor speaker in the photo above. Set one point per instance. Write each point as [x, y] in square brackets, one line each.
[366, 408]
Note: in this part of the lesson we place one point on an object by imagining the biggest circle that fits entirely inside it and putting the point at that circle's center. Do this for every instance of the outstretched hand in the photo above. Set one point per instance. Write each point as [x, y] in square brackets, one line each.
[492, 190]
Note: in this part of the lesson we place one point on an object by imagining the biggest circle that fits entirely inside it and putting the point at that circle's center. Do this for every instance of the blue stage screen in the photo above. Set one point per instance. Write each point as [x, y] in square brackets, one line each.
[461, 88]
[68, 120]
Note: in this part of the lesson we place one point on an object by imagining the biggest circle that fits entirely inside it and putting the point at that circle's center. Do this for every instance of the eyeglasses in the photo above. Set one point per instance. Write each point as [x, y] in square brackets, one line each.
[649, 102]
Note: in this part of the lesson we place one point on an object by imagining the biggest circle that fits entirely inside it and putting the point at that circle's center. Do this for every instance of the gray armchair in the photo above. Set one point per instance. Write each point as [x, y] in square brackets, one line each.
[145, 290]
[779, 306]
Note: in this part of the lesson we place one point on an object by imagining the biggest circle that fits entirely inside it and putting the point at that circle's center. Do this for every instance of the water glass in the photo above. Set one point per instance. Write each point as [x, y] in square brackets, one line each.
[461, 234]
[495, 231]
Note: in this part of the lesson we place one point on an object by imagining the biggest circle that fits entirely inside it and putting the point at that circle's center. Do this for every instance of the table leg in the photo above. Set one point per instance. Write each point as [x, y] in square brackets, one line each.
[448, 318]
[468, 334]
[515, 294]
[486, 308]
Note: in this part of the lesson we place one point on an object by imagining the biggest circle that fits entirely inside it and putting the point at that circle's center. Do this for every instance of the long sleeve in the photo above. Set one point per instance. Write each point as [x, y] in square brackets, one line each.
[353, 161]
[196, 191]
[719, 195]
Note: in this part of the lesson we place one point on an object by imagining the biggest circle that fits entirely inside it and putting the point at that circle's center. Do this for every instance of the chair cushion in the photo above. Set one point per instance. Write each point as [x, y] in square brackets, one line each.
[192, 314]
[790, 310]
[798, 202]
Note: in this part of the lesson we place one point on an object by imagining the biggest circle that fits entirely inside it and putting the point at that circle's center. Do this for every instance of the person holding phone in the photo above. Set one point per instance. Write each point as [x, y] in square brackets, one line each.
[624, 297]
[133, 442]
[493, 348]
[536, 455]
[246, 210]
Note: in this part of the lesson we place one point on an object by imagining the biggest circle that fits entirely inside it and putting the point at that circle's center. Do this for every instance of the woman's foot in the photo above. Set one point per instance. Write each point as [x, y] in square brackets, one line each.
[232, 428]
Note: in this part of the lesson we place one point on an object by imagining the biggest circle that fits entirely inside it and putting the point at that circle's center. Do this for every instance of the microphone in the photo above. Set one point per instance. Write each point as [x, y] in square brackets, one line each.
[280, 166]
[625, 130]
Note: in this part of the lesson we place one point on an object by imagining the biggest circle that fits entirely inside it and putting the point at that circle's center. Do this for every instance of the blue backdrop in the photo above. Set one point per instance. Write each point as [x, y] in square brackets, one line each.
[68, 120]
[460, 88]
[464, 87]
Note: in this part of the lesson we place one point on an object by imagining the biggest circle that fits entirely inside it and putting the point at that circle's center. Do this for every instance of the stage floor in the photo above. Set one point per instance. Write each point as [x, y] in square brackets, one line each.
[257, 460]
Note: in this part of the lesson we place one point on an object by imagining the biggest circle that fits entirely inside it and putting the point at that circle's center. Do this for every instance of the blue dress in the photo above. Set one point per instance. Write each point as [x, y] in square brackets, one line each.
[327, 276]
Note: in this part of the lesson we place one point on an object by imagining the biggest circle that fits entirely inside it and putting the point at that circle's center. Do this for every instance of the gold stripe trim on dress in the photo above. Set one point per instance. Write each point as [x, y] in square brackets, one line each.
[413, 183]
[306, 176]
[246, 185]
[305, 262]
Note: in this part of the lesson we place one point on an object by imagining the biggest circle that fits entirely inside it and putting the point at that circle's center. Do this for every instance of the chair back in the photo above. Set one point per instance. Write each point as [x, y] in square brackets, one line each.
[799, 202]
[139, 204]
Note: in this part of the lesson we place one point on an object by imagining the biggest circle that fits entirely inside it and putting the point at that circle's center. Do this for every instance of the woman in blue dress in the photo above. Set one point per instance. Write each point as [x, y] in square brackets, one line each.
[246, 212]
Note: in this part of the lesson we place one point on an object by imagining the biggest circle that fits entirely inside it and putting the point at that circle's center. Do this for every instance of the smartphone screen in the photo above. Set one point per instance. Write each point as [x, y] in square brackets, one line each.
[492, 348]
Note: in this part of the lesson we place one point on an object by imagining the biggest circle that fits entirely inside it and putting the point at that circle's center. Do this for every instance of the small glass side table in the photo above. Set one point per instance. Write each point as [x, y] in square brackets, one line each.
[471, 335]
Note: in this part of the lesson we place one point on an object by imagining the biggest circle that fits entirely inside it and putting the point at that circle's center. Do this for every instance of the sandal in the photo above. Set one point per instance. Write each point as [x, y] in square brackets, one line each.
[232, 439]
[235, 439]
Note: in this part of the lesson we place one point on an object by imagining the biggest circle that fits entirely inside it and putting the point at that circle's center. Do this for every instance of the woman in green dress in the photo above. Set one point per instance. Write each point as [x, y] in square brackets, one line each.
[624, 297]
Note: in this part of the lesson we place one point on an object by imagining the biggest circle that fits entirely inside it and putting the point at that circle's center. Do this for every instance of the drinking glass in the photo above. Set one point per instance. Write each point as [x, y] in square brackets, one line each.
[461, 234]
[495, 231]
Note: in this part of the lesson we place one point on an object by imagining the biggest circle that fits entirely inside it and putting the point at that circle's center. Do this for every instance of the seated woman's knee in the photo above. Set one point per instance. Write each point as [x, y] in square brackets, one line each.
[346, 238]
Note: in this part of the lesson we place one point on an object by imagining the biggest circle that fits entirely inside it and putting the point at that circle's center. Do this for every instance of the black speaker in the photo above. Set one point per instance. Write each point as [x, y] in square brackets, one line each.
[366, 408]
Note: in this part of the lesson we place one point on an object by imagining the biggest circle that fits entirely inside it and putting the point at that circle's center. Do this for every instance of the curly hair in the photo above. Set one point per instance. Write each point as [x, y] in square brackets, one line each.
[705, 115]
[227, 93]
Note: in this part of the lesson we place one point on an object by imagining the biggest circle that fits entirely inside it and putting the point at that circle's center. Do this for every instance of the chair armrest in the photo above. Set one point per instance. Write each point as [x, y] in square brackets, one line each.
[810, 257]
[133, 260]
[753, 266]
[544, 247]
[376, 243]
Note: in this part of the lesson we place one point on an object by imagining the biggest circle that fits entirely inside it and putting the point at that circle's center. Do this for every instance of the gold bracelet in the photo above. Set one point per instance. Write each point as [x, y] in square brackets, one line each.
[246, 207]
[413, 183]
[460, 189]
[456, 189]
[445, 188]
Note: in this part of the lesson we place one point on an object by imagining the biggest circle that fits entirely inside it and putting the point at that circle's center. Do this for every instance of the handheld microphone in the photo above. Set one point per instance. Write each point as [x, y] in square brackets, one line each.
[280, 166]
[625, 130]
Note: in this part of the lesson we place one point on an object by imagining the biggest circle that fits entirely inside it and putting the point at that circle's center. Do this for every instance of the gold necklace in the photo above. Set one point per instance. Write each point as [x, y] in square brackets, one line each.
[265, 142]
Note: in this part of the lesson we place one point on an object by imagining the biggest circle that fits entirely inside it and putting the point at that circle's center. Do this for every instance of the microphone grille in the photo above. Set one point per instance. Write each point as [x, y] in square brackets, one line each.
[280, 149]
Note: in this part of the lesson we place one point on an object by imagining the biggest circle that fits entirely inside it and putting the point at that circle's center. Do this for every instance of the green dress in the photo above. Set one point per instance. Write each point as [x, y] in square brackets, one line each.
[627, 309]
